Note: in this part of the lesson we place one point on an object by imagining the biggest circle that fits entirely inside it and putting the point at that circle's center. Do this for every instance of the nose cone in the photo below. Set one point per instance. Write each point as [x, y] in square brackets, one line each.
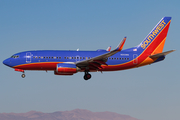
[7, 62]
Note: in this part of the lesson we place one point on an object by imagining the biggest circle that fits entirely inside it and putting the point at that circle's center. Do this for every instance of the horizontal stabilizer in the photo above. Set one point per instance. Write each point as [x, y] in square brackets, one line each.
[161, 54]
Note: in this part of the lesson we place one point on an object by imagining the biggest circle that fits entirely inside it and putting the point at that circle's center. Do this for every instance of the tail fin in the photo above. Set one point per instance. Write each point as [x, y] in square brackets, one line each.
[154, 42]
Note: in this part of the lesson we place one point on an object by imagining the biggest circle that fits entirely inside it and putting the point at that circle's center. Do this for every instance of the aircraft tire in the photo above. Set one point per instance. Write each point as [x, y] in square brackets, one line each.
[23, 75]
[87, 76]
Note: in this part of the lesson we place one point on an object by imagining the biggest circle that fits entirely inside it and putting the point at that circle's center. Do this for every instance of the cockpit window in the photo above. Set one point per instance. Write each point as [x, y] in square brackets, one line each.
[15, 56]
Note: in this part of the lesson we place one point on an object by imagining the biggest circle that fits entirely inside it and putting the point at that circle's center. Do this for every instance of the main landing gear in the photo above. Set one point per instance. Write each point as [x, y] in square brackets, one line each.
[87, 76]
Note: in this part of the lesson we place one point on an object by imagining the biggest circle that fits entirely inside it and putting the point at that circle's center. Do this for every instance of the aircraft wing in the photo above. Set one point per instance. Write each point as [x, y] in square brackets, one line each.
[161, 54]
[97, 61]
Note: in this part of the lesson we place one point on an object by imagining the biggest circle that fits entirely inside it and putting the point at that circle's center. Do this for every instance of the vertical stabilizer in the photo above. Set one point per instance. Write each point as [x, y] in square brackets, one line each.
[154, 42]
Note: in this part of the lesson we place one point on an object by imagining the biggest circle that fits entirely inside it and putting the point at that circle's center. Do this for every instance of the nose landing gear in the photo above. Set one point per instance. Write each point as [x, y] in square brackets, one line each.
[23, 75]
[20, 70]
[87, 76]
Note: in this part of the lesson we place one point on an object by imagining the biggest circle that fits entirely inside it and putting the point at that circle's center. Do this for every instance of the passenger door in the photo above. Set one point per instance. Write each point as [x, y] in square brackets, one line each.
[28, 57]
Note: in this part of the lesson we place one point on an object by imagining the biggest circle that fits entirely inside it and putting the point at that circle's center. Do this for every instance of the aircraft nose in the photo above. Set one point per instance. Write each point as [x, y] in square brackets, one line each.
[6, 62]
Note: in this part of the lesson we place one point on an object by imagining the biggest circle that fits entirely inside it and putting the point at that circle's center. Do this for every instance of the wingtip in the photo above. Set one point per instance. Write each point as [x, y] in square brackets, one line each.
[120, 46]
[124, 38]
[109, 48]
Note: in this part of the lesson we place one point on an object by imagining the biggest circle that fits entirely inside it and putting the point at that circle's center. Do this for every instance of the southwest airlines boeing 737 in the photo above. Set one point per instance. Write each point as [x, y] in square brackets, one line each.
[149, 51]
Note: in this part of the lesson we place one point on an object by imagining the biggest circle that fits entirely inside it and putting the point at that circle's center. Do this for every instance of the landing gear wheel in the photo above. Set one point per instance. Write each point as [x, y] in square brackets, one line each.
[23, 75]
[87, 76]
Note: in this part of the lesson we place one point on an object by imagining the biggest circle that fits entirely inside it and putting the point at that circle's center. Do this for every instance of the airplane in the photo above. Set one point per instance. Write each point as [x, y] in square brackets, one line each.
[64, 62]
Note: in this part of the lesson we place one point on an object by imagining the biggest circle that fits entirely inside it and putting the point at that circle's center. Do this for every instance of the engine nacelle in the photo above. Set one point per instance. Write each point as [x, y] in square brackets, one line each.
[66, 69]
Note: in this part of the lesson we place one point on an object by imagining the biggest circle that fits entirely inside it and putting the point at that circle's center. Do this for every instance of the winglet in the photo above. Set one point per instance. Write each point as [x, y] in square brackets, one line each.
[121, 44]
[109, 48]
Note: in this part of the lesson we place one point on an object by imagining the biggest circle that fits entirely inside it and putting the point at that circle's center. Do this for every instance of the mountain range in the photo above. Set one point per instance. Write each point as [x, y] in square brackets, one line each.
[77, 114]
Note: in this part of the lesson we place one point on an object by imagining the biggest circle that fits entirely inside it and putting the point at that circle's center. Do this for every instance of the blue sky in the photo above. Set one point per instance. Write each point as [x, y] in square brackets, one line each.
[150, 92]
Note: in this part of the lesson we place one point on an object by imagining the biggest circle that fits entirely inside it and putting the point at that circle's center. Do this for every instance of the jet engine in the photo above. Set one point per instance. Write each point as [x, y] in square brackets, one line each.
[66, 69]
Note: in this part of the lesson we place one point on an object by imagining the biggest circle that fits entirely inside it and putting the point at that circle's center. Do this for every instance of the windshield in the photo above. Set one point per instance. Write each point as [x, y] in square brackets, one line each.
[15, 56]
